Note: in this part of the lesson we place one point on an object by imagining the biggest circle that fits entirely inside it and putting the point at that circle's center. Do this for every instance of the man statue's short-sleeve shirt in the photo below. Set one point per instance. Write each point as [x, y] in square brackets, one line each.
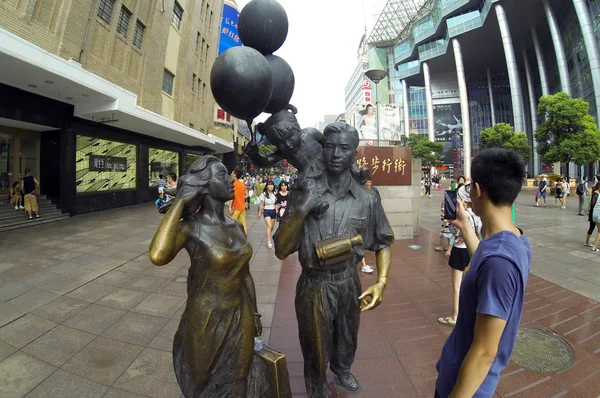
[357, 211]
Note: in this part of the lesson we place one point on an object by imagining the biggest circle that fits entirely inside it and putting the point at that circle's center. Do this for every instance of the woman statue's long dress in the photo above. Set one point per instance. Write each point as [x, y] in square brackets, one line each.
[213, 347]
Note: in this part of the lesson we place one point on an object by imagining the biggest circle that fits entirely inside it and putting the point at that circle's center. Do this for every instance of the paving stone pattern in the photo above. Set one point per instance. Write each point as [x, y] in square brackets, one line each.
[83, 313]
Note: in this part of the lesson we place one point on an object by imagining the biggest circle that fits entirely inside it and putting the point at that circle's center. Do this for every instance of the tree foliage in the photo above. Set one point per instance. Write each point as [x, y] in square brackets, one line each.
[569, 133]
[502, 135]
[429, 152]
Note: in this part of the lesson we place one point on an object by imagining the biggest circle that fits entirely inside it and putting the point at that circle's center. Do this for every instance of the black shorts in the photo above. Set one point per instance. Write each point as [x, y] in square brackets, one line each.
[459, 258]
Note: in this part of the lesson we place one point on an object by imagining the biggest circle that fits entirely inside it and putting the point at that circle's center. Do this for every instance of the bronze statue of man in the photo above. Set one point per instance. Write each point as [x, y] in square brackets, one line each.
[328, 294]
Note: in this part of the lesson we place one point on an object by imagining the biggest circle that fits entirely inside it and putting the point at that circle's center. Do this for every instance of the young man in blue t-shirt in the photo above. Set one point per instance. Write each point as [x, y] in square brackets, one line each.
[492, 291]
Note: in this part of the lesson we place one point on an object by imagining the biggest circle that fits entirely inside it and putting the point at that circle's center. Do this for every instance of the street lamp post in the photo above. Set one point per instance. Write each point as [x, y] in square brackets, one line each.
[376, 75]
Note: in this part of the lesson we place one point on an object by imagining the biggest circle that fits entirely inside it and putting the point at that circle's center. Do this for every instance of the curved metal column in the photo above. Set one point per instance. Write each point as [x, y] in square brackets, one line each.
[591, 46]
[513, 70]
[539, 55]
[429, 100]
[559, 49]
[533, 109]
[464, 107]
[406, 118]
[491, 90]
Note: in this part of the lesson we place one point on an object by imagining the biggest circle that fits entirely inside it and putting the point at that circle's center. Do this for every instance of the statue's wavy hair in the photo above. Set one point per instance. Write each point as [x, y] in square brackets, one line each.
[201, 171]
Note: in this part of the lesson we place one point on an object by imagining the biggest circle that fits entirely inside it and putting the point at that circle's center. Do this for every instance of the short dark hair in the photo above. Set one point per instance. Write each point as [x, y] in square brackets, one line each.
[500, 174]
[341, 127]
[160, 176]
[238, 173]
[173, 176]
[27, 171]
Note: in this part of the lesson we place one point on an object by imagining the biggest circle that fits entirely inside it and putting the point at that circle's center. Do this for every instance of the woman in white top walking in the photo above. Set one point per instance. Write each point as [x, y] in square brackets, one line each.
[268, 201]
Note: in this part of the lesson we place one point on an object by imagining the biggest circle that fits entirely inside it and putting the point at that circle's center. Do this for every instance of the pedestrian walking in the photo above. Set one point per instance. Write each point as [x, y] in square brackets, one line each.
[268, 209]
[493, 290]
[237, 206]
[595, 212]
[581, 192]
[29, 186]
[558, 195]
[428, 187]
[459, 255]
[566, 192]
[542, 192]
[593, 201]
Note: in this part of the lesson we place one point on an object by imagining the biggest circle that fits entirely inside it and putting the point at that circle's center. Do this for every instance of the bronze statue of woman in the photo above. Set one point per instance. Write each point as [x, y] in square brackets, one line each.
[214, 345]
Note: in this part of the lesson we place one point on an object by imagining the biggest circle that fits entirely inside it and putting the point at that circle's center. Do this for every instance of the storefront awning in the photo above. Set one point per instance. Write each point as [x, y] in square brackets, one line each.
[28, 67]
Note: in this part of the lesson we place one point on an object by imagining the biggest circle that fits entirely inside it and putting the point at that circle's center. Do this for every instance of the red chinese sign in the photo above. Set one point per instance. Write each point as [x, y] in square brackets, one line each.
[389, 165]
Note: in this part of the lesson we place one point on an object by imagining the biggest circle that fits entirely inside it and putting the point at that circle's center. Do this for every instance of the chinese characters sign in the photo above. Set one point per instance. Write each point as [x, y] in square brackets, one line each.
[389, 165]
[107, 163]
[229, 29]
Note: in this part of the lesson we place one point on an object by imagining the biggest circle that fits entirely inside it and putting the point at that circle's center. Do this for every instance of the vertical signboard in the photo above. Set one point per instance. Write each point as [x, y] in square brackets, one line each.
[229, 28]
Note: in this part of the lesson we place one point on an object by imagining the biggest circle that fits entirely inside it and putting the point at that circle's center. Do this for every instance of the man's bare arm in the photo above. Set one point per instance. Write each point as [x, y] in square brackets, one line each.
[476, 365]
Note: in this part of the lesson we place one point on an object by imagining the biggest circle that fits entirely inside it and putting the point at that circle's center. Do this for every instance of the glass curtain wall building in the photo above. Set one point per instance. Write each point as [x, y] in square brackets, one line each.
[544, 51]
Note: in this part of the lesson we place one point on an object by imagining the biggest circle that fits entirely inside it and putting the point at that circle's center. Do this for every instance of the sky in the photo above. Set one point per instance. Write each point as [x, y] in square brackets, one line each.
[321, 47]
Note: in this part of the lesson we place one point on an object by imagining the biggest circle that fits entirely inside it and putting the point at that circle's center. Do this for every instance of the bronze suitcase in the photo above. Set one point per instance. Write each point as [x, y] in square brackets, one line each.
[269, 377]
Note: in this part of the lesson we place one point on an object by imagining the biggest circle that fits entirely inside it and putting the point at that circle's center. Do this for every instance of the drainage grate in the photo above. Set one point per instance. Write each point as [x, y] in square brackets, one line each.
[542, 351]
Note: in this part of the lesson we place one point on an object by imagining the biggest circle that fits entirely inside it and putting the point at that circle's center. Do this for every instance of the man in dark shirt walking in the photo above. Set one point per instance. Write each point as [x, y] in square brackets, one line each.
[29, 186]
[328, 295]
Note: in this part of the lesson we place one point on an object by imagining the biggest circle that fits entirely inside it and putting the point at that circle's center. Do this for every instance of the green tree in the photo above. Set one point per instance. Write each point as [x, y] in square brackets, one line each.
[429, 152]
[569, 133]
[502, 135]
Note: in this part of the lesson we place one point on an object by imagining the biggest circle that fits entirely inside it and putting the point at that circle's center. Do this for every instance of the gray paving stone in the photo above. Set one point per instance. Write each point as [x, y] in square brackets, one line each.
[123, 299]
[117, 393]
[63, 284]
[103, 360]
[94, 319]
[266, 312]
[33, 299]
[165, 271]
[91, 292]
[152, 375]
[144, 282]
[13, 289]
[40, 278]
[66, 385]
[20, 373]
[159, 305]
[135, 328]
[164, 339]
[114, 278]
[61, 309]
[172, 288]
[135, 267]
[58, 345]
[9, 313]
[6, 350]
[66, 268]
[266, 294]
[262, 278]
[24, 330]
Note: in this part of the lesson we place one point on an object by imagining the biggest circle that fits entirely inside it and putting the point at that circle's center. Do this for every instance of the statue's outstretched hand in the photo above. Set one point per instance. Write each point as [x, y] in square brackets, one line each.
[371, 297]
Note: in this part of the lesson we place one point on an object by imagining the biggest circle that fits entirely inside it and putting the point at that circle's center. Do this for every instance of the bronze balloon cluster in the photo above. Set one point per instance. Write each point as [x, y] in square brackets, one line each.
[249, 79]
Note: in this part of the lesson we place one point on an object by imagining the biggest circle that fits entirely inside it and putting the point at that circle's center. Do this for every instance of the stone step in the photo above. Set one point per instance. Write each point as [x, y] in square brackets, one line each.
[16, 215]
[9, 209]
[25, 223]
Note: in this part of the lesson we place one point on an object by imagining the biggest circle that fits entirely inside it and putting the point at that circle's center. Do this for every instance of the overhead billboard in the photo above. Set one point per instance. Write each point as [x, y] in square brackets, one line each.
[229, 29]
